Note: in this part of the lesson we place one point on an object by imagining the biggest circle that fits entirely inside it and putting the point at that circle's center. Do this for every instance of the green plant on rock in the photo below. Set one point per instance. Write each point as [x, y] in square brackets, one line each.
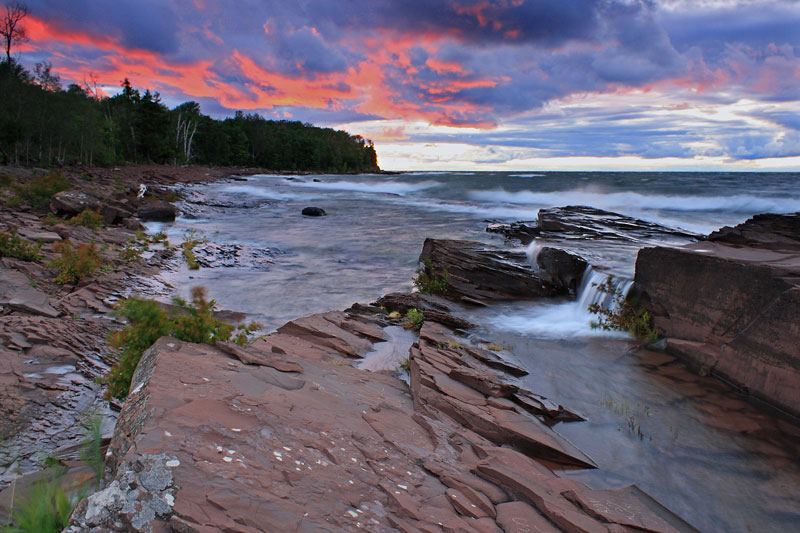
[39, 190]
[405, 365]
[190, 240]
[197, 322]
[12, 245]
[51, 220]
[147, 322]
[75, 263]
[429, 281]
[622, 315]
[131, 252]
[414, 319]
[87, 218]
[194, 321]
[245, 331]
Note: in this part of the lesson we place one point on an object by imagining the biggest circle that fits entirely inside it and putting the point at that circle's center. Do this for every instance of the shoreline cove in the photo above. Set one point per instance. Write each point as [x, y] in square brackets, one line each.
[478, 438]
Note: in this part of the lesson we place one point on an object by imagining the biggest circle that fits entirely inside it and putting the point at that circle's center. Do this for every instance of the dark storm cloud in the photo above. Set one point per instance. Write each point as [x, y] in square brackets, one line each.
[144, 24]
[464, 63]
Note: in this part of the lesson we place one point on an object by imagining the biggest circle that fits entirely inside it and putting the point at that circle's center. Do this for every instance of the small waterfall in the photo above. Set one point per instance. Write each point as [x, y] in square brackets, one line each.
[590, 293]
[532, 251]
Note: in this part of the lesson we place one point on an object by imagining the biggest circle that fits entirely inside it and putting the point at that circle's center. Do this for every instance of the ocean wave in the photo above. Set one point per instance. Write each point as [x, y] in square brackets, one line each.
[526, 175]
[386, 187]
[633, 200]
[255, 191]
[483, 212]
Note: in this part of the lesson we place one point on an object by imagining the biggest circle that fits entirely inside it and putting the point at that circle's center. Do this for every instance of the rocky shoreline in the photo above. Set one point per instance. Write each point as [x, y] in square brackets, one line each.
[293, 433]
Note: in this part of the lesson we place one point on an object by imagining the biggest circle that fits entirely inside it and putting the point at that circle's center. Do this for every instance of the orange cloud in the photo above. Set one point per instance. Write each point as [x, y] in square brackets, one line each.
[366, 87]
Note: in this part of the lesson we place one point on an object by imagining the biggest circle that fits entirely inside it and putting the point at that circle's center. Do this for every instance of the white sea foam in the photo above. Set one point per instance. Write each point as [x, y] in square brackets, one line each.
[385, 187]
[254, 191]
[479, 211]
[627, 201]
[526, 175]
[566, 319]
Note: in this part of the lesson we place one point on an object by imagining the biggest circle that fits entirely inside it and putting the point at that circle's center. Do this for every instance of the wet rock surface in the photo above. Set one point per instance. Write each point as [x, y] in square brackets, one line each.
[212, 255]
[478, 273]
[314, 212]
[731, 305]
[320, 445]
[583, 222]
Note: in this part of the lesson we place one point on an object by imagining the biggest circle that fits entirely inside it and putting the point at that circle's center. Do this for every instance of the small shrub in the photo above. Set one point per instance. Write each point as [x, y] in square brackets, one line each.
[622, 315]
[12, 245]
[40, 189]
[51, 220]
[87, 218]
[414, 319]
[429, 281]
[75, 263]
[6, 180]
[197, 323]
[147, 322]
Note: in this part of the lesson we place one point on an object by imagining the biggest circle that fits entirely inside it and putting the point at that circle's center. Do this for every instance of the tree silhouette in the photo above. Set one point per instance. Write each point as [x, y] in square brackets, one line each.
[10, 28]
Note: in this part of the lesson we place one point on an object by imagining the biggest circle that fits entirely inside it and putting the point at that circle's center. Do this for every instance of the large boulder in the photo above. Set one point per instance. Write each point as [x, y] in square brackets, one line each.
[564, 268]
[477, 272]
[732, 309]
[157, 211]
[73, 202]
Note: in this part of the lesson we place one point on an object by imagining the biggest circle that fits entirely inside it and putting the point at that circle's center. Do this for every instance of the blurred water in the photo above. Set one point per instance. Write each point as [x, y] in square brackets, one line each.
[721, 462]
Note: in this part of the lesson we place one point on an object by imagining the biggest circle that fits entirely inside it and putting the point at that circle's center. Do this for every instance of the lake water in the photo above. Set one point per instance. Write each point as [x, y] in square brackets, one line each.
[720, 461]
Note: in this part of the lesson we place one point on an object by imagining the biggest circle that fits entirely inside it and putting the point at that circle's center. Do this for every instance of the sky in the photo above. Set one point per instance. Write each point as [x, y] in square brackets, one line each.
[464, 84]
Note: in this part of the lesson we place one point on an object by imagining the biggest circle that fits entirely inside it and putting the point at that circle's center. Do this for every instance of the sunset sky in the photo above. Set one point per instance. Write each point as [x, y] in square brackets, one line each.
[456, 84]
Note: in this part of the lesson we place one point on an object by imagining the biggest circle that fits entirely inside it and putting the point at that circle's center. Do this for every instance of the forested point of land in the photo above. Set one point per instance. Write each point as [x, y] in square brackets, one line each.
[45, 125]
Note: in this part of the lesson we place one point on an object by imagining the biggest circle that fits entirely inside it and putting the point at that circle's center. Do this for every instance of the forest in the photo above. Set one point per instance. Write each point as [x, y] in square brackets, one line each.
[43, 124]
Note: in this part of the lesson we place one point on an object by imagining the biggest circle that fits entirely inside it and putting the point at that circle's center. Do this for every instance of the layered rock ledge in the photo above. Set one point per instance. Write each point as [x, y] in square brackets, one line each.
[731, 304]
[287, 435]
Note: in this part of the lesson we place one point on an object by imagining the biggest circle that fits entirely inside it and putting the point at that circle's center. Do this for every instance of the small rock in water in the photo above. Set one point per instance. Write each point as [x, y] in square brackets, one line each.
[314, 212]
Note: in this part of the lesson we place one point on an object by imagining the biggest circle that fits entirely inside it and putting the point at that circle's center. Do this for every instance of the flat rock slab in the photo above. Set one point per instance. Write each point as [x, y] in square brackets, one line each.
[245, 446]
[17, 294]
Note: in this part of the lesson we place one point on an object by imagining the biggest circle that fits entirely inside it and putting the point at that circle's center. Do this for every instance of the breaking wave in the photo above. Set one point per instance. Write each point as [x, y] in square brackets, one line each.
[632, 200]
[387, 187]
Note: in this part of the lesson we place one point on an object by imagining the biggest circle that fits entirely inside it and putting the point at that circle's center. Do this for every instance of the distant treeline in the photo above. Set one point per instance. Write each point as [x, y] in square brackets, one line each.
[43, 124]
